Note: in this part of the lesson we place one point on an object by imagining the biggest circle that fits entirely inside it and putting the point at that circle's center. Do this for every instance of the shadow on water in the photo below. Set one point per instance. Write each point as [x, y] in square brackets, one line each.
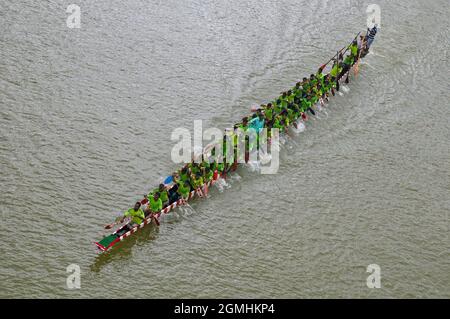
[123, 249]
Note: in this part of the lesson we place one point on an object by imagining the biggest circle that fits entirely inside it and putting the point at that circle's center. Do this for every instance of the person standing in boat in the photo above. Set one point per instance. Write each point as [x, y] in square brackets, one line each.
[370, 36]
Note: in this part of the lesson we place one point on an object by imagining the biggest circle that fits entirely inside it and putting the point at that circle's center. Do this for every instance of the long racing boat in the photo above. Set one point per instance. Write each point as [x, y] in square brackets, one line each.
[123, 232]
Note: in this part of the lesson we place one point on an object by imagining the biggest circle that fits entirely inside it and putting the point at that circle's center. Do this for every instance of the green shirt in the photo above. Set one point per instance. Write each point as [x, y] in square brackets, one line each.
[164, 196]
[184, 177]
[269, 113]
[137, 216]
[183, 190]
[305, 104]
[348, 60]
[334, 70]
[354, 49]
[209, 175]
[277, 123]
[155, 205]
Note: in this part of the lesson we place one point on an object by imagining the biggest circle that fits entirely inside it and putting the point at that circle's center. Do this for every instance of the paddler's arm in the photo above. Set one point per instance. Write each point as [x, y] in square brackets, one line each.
[118, 220]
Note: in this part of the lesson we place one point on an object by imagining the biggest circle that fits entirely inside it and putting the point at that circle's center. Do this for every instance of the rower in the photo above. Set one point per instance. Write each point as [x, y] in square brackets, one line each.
[289, 97]
[197, 183]
[348, 62]
[297, 90]
[312, 80]
[136, 214]
[354, 50]
[208, 174]
[163, 195]
[283, 100]
[306, 105]
[155, 203]
[305, 84]
[183, 190]
[268, 112]
[185, 173]
[334, 69]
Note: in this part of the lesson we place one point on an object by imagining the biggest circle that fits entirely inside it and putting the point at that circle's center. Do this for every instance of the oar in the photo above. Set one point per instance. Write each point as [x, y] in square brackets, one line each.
[109, 226]
[156, 220]
[332, 57]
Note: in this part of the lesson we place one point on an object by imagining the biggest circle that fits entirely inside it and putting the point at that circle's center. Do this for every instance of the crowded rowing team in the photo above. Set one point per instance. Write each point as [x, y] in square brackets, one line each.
[291, 106]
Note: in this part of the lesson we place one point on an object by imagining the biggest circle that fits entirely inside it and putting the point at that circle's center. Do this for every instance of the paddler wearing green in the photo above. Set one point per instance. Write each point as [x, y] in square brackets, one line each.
[155, 203]
[197, 183]
[348, 60]
[193, 181]
[313, 80]
[277, 106]
[244, 124]
[208, 174]
[334, 69]
[305, 84]
[354, 49]
[305, 105]
[163, 194]
[283, 100]
[268, 111]
[136, 214]
[289, 96]
[194, 167]
[184, 174]
[220, 167]
[184, 189]
[296, 91]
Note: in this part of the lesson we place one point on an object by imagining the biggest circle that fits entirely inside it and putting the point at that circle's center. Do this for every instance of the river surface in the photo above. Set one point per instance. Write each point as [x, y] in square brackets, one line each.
[86, 117]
